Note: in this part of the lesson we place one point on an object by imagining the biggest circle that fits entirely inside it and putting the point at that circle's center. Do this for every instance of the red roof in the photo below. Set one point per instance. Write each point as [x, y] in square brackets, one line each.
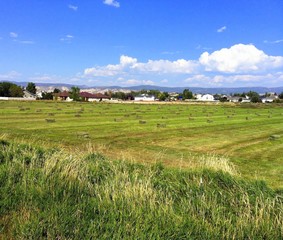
[86, 95]
[91, 95]
[63, 94]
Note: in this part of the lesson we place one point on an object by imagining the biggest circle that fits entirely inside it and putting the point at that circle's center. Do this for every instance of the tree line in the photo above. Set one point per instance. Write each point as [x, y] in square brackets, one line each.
[8, 89]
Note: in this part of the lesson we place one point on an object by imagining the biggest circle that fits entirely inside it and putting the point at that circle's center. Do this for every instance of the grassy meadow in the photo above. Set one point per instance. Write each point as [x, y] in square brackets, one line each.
[177, 135]
[47, 193]
[140, 171]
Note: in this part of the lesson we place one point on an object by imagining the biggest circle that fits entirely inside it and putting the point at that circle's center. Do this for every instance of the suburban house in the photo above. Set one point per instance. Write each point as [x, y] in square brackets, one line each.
[205, 97]
[245, 99]
[235, 99]
[63, 96]
[269, 99]
[29, 95]
[144, 97]
[90, 97]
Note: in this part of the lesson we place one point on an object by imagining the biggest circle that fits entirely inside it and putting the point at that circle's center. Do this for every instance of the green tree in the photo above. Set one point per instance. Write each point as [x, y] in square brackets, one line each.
[31, 87]
[75, 94]
[47, 95]
[187, 94]
[16, 91]
[280, 95]
[5, 89]
[56, 90]
[8, 89]
[254, 96]
[163, 96]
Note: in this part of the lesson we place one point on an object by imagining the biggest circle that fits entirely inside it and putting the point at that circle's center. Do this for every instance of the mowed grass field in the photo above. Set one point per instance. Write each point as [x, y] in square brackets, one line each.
[174, 134]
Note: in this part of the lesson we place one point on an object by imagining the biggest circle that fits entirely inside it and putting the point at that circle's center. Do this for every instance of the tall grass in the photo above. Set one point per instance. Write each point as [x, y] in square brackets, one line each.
[51, 194]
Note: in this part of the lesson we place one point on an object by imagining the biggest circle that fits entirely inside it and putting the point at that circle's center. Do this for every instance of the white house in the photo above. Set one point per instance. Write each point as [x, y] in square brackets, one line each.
[144, 97]
[205, 97]
[29, 95]
[268, 99]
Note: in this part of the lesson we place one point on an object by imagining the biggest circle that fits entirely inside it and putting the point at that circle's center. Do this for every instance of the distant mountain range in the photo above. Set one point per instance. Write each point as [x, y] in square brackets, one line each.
[163, 89]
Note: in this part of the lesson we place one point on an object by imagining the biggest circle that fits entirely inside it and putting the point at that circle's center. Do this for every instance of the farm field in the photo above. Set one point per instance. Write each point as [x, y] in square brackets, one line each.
[178, 135]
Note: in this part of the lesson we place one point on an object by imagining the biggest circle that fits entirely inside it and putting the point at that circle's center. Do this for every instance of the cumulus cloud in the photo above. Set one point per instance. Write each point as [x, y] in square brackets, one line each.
[165, 66]
[222, 29]
[75, 8]
[13, 35]
[239, 58]
[152, 66]
[112, 3]
[198, 77]
[126, 61]
[240, 63]
[238, 79]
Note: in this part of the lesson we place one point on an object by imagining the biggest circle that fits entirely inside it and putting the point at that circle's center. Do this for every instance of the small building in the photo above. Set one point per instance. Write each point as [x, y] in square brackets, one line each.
[62, 96]
[205, 97]
[29, 95]
[269, 99]
[246, 100]
[234, 99]
[90, 97]
[144, 97]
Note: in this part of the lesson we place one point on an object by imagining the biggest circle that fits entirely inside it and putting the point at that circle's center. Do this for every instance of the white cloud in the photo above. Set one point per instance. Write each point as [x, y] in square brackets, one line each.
[126, 61]
[239, 64]
[112, 3]
[198, 77]
[200, 47]
[12, 75]
[170, 52]
[274, 42]
[164, 81]
[239, 58]
[75, 8]
[43, 78]
[138, 82]
[232, 80]
[132, 82]
[130, 64]
[165, 66]
[25, 42]
[222, 29]
[67, 38]
[13, 35]
[52, 78]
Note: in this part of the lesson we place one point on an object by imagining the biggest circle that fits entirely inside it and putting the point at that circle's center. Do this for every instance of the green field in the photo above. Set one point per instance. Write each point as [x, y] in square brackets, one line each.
[177, 135]
[52, 194]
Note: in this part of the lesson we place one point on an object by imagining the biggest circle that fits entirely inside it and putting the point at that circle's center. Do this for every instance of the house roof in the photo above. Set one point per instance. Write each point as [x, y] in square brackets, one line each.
[83, 94]
[91, 95]
[63, 94]
[86, 95]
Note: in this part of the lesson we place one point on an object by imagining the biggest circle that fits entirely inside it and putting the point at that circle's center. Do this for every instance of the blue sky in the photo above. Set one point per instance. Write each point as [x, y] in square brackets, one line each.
[204, 43]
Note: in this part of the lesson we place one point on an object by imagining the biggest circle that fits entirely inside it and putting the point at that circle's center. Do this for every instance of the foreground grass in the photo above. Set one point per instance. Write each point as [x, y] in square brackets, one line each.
[50, 194]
